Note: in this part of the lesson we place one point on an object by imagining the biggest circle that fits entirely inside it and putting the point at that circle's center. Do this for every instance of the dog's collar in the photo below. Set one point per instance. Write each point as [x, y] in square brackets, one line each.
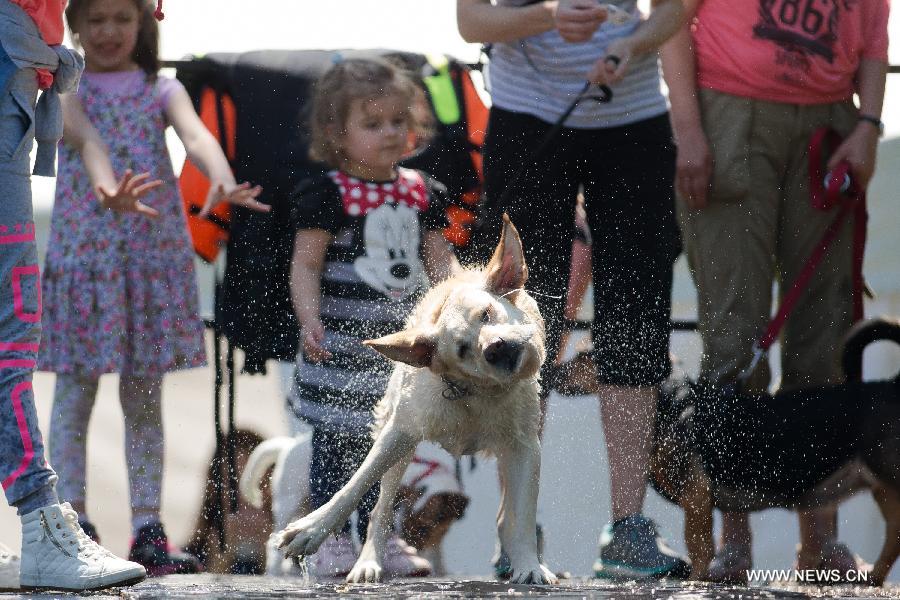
[453, 390]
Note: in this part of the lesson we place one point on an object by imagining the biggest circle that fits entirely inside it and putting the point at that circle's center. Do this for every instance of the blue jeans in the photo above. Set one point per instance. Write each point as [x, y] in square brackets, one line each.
[28, 481]
[336, 456]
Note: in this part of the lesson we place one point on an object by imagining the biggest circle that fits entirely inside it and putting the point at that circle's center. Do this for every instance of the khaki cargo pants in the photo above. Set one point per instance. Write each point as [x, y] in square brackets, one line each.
[759, 228]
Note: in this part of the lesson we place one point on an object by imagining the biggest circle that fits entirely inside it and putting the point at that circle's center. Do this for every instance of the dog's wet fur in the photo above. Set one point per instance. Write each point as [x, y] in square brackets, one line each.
[797, 449]
[466, 377]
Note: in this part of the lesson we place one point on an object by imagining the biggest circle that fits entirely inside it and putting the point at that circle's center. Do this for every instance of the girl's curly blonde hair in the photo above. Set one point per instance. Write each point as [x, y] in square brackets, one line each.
[343, 84]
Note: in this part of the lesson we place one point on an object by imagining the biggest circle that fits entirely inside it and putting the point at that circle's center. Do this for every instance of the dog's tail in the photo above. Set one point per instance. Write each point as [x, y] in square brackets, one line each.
[861, 335]
[261, 460]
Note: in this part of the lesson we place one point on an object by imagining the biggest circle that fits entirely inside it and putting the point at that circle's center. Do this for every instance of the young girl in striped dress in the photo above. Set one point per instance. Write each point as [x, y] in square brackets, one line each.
[368, 239]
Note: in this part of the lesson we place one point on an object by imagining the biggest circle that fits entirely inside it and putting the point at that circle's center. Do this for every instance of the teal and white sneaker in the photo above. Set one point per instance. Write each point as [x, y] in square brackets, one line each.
[631, 548]
[502, 565]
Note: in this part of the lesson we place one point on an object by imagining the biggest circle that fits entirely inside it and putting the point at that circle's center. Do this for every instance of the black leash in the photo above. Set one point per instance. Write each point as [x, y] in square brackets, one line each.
[218, 516]
[224, 456]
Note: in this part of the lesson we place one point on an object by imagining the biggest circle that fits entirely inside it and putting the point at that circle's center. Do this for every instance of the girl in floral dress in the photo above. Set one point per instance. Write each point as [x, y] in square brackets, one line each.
[118, 288]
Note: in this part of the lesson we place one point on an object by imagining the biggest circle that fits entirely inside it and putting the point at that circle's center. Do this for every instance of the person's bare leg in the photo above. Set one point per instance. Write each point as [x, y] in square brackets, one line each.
[628, 415]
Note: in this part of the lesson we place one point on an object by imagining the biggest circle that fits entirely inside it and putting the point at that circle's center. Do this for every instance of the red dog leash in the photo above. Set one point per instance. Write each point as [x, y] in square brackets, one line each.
[841, 192]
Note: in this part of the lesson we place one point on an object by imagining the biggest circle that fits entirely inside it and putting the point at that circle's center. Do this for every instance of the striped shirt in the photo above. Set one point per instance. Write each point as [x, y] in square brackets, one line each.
[542, 74]
[372, 278]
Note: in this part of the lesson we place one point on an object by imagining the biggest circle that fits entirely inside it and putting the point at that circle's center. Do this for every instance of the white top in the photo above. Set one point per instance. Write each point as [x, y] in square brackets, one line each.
[542, 74]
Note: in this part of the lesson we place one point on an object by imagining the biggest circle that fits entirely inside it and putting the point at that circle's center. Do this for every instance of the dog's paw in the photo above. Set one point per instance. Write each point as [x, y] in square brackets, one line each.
[535, 574]
[301, 538]
[366, 571]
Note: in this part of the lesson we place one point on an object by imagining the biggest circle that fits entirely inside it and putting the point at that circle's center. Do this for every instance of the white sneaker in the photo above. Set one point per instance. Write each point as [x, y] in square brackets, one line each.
[57, 555]
[335, 557]
[9, 569]
[402, 560]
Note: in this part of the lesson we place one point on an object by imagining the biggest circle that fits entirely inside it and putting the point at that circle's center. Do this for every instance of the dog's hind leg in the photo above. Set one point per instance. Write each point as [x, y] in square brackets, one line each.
[888, 500]
[520, 470]
[381, 524]
[305, 535]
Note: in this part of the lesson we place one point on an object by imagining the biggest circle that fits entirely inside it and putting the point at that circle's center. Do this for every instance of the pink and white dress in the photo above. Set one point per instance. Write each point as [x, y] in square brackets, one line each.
[119, 291]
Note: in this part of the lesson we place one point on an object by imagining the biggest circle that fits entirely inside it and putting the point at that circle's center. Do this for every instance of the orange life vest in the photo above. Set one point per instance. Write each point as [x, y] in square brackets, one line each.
[209, 234]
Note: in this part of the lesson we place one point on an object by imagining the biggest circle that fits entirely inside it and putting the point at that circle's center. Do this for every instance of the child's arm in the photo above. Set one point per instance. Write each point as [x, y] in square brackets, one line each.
[205, 152]
[308, 261]
[440, 261]
[122, 195]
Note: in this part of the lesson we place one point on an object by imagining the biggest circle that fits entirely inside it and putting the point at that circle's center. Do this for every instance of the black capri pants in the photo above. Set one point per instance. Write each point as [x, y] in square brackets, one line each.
[627, 174]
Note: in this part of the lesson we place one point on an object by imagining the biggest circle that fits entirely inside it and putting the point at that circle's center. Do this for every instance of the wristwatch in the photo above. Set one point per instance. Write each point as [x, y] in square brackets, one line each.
[874, 121]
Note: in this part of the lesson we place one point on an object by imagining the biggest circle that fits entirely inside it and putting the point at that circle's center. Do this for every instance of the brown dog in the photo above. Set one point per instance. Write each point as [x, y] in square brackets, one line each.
[245, 532]
[798, 449]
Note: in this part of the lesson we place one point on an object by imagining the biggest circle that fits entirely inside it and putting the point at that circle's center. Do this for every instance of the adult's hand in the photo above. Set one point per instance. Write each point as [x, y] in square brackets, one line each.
[577, 20]
[693, 169]
[859, 149]
[612, 67]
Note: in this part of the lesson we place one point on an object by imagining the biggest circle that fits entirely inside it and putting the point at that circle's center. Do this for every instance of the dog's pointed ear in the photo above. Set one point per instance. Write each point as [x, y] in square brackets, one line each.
[507, 271]
[409, 346]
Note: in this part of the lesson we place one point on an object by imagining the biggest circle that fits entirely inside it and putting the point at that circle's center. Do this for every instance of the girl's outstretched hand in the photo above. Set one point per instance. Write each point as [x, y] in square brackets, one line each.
[242, 195]
[128, 193]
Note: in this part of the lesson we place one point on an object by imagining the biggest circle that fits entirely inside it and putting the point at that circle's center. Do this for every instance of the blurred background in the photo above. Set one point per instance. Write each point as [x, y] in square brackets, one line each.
[574, 502]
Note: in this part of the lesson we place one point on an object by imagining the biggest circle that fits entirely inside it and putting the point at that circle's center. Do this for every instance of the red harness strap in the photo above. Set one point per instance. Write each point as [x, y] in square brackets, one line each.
[825, 196]
[432, 466]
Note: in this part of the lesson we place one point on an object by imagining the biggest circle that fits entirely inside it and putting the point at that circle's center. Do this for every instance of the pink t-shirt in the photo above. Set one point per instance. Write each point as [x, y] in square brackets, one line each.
[123, 82]
[796, 51]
